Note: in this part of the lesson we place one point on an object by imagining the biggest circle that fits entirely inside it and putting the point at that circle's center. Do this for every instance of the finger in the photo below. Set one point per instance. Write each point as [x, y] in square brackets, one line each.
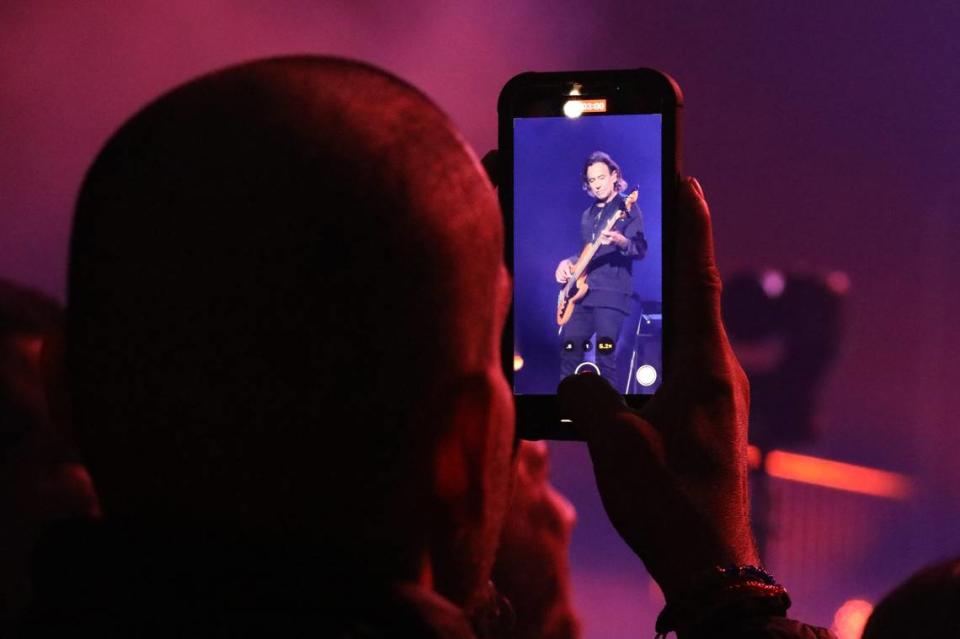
[491, 165]
[619, 439]
[696, 291]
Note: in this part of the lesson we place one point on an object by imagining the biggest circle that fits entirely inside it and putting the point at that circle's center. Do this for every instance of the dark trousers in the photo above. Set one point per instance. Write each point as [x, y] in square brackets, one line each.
[575, 340]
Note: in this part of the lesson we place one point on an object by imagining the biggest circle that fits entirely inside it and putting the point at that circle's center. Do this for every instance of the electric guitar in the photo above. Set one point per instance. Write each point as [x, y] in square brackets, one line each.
[576, 287]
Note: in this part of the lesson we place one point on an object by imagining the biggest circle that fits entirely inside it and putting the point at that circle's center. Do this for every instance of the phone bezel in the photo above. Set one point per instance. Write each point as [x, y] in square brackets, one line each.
[634, 91]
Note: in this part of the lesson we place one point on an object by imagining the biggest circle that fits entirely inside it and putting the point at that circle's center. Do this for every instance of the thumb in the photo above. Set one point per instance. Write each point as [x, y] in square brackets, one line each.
[589, 400]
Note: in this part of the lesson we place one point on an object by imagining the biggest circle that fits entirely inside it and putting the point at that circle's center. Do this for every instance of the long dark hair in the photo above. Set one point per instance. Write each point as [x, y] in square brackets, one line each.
[600, 156]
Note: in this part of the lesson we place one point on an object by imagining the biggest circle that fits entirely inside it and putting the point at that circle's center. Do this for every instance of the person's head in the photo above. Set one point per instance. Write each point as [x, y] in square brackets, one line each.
[285, 304]
[602, 176]
[925, 606]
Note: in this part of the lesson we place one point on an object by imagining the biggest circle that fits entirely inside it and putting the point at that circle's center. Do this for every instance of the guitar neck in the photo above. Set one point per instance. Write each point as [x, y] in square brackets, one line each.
[586, 256]
[591, 249]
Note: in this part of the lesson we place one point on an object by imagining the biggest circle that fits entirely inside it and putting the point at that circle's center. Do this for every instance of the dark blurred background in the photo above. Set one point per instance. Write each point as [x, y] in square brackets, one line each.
[824, 135]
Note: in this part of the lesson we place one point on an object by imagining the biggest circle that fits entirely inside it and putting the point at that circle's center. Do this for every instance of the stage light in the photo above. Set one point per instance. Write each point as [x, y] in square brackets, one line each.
[838, 282]
[646, 375]
[573, 108]
[517, 362]
[850, 618]
[773, 283]
[786, 329]
[818, 471]
[837, 475]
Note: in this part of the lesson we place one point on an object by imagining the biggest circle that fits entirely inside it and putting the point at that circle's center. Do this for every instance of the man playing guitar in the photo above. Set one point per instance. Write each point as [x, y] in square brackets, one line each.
[609, 272]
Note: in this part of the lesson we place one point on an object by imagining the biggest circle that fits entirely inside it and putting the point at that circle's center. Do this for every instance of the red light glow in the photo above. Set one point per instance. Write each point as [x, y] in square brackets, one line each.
[838, 475]
[850, 618]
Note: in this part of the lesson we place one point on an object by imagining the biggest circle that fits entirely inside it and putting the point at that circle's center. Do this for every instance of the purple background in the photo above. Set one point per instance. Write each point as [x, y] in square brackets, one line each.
[550, 200]
[825, 136]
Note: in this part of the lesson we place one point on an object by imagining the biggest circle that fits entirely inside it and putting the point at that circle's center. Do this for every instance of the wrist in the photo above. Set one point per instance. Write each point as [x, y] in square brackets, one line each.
[683, 573]
[722, 595]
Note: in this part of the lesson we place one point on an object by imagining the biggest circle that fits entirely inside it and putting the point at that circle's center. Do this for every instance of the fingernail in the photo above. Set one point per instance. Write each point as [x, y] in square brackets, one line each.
[696, 187]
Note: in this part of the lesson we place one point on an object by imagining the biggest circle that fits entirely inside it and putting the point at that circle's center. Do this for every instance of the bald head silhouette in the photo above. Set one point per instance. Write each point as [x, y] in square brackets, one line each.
[286, 294]
[922, 607]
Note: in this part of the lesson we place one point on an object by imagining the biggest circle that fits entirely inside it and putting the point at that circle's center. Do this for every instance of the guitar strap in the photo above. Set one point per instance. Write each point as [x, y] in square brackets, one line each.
[600, 220]
[596, 223]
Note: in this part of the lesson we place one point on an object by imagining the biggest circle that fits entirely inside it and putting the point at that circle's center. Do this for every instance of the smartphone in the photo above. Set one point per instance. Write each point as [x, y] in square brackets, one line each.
[588, 169]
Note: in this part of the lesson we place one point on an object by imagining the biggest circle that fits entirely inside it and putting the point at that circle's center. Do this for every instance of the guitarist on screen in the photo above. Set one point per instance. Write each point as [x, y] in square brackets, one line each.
[609, 273]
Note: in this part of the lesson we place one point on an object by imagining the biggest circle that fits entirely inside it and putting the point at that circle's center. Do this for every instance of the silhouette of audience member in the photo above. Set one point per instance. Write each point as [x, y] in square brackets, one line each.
[42, 480]
[925, 606]
[286, 294]
[286, 297]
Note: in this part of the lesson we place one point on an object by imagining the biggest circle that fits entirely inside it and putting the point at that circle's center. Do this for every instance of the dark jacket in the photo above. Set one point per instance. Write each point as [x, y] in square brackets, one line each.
[610, 273]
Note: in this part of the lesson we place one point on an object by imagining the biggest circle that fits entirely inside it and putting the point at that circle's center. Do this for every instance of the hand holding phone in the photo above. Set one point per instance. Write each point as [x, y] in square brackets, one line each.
[672, 476]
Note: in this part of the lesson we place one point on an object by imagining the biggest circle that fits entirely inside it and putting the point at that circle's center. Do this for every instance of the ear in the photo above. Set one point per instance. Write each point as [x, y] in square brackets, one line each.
[472, 408]
[462, 452]
[472, 475]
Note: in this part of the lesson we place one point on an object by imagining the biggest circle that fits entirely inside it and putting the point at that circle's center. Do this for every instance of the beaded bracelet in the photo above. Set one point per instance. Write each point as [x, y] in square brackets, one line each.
[720, 592]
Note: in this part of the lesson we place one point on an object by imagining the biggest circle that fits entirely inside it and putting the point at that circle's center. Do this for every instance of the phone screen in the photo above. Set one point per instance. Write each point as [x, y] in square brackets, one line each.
[588, 250]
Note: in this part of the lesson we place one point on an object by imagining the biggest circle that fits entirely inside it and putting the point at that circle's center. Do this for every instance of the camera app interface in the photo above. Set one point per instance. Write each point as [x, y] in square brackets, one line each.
[587, 251]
